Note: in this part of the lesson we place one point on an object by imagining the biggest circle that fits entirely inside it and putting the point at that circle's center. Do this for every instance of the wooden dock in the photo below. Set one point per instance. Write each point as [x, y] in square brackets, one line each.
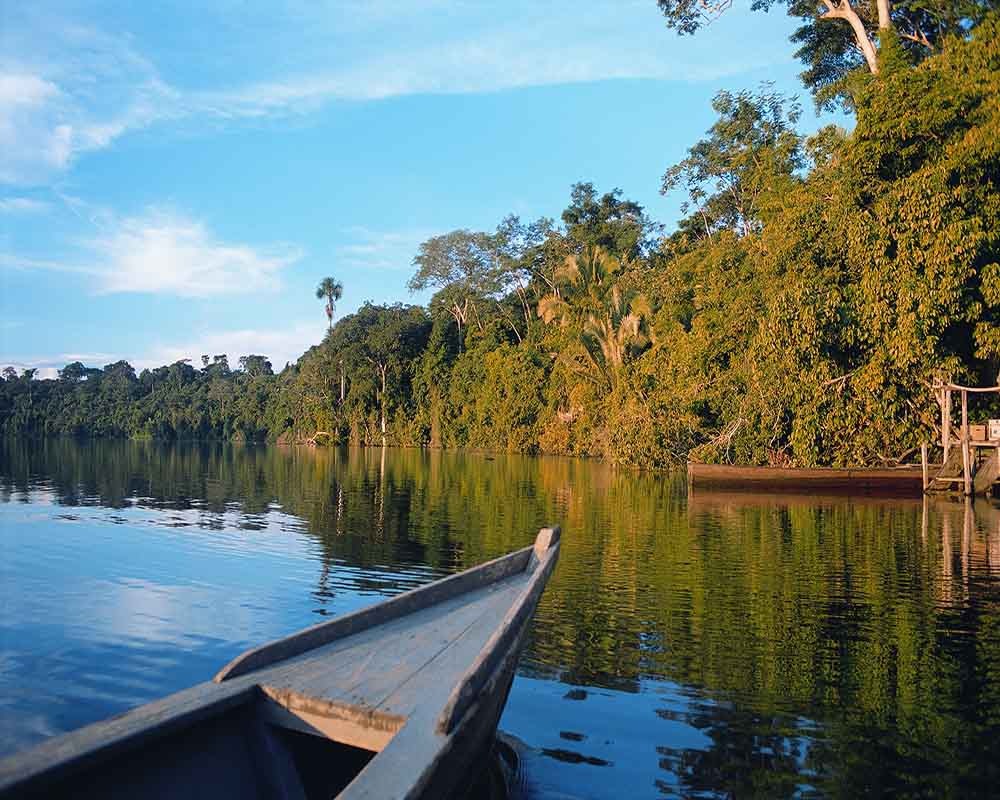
[971, 460]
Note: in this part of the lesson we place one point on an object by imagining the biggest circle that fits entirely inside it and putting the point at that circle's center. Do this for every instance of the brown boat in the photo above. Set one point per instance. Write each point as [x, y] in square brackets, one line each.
[893, 482]
[398, 700]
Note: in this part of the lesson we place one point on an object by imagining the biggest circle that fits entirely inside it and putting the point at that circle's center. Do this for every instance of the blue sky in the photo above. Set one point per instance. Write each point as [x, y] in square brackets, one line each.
[175, 178]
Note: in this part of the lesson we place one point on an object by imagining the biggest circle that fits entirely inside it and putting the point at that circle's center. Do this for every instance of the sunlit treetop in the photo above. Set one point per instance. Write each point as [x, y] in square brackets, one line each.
[840, 38]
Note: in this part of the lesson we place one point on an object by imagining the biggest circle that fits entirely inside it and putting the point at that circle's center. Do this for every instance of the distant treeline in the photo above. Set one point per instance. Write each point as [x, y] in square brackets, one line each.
[797, 315]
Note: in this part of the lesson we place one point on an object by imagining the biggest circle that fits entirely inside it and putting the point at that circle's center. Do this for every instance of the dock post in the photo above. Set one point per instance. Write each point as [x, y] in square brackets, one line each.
[966, 466]
[923, 462]
[946, 422]
[965, 414]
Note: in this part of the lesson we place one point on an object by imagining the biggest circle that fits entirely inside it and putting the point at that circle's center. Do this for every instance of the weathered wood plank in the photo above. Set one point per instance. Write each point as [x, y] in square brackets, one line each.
[363, 668]
[546, 551]
[430, 686]
[987, 474]
[429, 764]
[400, 657]
[345, 725]
[386, 611]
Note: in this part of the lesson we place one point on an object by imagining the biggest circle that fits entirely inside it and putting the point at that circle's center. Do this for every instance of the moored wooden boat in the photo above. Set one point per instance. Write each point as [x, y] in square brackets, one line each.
[894, 481]
[397, 700]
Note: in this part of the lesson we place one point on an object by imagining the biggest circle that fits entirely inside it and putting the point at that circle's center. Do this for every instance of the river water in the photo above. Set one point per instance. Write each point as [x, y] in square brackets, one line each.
[715, 645]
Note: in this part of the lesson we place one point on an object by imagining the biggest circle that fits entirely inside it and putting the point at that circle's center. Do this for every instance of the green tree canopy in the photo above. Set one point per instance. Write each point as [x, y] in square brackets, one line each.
[751, 150]
[837, 38]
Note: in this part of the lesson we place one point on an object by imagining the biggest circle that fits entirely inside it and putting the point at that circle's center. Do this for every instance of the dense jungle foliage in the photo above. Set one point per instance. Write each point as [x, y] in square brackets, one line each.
[798, 314]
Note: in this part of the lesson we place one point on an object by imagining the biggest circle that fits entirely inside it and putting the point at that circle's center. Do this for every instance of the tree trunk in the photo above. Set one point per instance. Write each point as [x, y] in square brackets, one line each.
[458, 314]
[846, 12]
[884, 18]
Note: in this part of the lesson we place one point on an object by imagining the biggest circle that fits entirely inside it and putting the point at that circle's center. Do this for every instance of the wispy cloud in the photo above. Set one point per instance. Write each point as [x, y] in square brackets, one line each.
[13, 261]
[22, 205]
[67, 88]
[495, 61]
[281, 345]
[166, 252]
[44, 126]
[379, 250]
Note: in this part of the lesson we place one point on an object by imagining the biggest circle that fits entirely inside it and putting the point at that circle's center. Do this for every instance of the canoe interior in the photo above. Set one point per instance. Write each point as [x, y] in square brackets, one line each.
[420, 679]
[234, 754]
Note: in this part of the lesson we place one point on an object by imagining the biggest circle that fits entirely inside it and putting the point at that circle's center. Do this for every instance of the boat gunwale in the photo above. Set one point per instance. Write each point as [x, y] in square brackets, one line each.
[544, 555]
[386, 610]
[474, 694]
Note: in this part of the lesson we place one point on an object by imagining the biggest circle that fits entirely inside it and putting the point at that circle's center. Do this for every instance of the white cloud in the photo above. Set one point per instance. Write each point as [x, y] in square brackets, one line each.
[66, 89]
[27, 141]
[42, 371]
[280, 345]
[22, 205]
[379, 250]
[491, 62]
[25, 91]
[10, 261]
[167, 252]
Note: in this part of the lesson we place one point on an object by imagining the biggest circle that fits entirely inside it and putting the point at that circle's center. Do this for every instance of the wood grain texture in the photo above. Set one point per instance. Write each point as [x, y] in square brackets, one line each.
[423, 763]
[386, 611]
[350, 679]
[546, 550]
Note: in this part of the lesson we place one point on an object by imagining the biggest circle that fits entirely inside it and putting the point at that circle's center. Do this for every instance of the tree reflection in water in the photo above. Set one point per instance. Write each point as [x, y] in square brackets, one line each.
[810, 645]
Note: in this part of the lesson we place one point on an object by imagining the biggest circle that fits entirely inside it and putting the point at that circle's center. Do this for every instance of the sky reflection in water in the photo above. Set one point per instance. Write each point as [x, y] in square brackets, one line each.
[719, 646]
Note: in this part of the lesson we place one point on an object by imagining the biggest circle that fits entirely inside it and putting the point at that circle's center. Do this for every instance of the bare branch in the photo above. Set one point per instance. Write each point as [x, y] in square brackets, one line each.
[919, 37]
[711, 10]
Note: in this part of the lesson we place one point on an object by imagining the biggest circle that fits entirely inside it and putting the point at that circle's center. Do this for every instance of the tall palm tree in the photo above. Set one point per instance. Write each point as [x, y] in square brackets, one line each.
[332, 290]
[615, 334]
[609, 323]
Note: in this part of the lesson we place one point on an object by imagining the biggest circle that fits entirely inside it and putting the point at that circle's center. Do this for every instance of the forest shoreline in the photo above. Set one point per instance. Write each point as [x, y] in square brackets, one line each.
[798, 316]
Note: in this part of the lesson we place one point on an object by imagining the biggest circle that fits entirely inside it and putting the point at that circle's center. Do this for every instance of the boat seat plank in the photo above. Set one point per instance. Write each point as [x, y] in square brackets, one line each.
[394, 608]
[364, 670]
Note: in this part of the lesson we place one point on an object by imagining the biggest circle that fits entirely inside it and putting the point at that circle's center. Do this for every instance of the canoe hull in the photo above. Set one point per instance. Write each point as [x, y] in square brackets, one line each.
[899, 482]
[394, 702]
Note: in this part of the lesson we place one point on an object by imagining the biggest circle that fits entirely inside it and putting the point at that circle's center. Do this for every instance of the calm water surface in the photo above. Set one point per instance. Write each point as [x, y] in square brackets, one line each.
[717, 646]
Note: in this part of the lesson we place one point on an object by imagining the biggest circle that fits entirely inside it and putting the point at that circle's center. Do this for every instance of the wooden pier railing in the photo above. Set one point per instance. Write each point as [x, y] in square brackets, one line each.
[971, 460]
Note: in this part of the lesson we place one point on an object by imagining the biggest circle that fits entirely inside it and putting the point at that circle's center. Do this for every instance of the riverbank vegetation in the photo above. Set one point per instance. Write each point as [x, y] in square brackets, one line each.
[797, 314]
